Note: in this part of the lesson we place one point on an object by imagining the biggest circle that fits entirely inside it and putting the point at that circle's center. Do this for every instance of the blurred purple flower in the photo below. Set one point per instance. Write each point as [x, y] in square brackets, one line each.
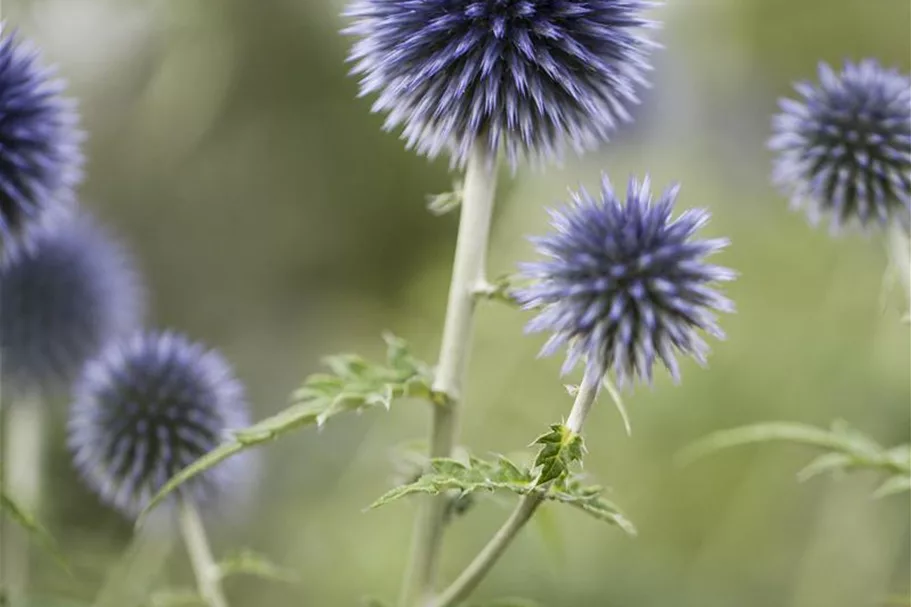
[844, 149]
[64, 294]
[40, 156]
[147, 408]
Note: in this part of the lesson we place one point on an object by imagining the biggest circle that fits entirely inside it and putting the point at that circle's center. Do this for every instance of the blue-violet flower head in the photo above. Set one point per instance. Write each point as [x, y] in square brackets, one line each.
[844, 148]
[64, 294]
[532, 76]
[40, 142]
[148, 407]
[623, 284]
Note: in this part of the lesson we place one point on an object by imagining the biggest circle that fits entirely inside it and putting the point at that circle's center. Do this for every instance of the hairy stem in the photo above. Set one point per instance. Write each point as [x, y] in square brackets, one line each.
[23, 447]
[478, 569]
[467, 272]
[208, 577]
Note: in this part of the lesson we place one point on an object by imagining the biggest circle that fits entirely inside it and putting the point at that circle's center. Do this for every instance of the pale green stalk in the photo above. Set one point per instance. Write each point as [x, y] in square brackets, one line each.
[468, 272]
[478, 569]
[128, 584]
[208, 576]
[23, 446]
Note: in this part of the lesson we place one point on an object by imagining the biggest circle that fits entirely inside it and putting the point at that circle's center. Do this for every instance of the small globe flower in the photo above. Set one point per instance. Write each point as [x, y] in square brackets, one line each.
[148, 407]
[532, 76]
[40, 155]
[844, 149]
[624, 285]
[63, 295]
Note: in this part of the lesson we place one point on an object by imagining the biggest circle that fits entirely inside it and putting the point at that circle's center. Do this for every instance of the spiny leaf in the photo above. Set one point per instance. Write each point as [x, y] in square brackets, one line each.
[561, 447]
[247, 562]
[501, 474]
[844, 448]
[20, 516]
[355, 384]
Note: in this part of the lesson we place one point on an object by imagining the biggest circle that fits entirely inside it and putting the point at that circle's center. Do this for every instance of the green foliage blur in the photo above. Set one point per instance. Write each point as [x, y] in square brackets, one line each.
[275, 221]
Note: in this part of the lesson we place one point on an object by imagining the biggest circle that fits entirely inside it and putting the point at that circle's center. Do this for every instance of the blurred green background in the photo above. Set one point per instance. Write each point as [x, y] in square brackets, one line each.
[275, 221]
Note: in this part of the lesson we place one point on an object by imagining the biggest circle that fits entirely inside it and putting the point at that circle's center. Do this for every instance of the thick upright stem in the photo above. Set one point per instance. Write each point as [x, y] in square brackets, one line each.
[23, 447]
[468, 271]
[208, 577]
[478, 569]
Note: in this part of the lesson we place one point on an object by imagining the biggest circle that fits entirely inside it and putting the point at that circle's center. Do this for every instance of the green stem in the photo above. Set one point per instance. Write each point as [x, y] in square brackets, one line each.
[208, 577]
[478, 569]
[900, 257]
[23, 448]
[129, 582]
[468, 271]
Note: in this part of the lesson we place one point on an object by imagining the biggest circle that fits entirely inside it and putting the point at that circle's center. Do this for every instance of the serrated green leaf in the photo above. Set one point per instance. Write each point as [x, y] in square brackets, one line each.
[446, 474]
[19, 515]
[845, 449]
[560, 448]
[354, 385]
[370, 601]
[247, 562]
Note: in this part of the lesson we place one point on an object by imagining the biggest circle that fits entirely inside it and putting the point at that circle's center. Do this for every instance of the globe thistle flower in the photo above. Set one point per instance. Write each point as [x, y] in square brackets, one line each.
[63, 295]
[844, 149]
[624, 284]
[148, 407]
[40, 156]
[534, 76]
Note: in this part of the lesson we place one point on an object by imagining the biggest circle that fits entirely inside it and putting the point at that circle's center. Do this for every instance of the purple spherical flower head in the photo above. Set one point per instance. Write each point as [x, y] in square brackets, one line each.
[844, 149]
[532, 76]
[64, 294]
[146, 409]
[40, 155]
[623, 284]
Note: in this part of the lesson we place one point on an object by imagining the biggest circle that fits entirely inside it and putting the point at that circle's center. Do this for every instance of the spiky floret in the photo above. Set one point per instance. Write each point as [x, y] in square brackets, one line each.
[148, 407]
[64, 294]
[532, 76]
[844, 148]
[623, 284]
[40, 142]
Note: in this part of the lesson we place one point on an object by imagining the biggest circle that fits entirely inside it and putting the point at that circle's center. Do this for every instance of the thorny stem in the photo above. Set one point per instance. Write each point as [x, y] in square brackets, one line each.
[208, 577]
[478, 569]
[468, 271]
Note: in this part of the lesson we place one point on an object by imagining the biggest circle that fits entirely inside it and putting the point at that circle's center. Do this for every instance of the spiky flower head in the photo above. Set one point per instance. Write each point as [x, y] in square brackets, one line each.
[148, 407]
[844, 148]
[532, 76]
[64, 294]
[40, 155]
[625, 285]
